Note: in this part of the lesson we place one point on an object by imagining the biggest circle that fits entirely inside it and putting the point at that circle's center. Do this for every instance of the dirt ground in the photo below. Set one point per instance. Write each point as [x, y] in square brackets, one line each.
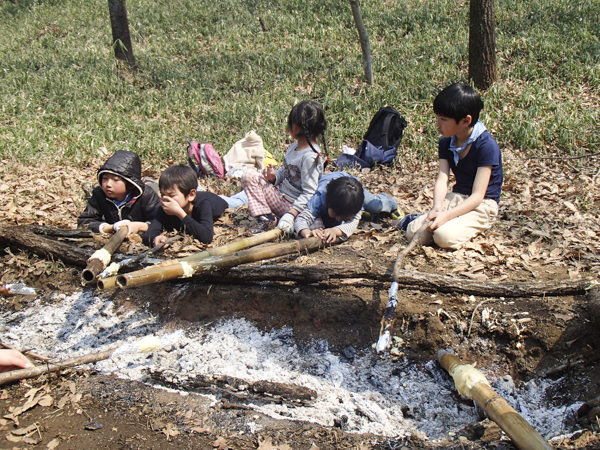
[547, 231]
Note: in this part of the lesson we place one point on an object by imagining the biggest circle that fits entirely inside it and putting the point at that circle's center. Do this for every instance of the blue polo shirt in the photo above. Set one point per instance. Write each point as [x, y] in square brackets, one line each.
[484, 152]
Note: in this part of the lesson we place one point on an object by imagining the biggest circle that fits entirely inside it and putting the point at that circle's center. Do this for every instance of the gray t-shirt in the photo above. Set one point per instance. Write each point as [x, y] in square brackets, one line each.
[299, 175]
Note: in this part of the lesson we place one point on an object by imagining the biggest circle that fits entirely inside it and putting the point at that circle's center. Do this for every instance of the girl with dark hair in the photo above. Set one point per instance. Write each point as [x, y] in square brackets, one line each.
[285, 192]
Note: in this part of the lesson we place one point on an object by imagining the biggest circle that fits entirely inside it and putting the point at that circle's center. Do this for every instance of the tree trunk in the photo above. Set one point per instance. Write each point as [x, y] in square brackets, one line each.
[120, 32]
[482, 44]
[364, 41]
[24, 238]
[407, 279]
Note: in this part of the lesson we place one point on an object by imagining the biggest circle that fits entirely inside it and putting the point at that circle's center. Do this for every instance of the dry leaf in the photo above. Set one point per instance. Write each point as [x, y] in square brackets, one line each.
[63, 401]
[12, 438]
[31, 440]
[220, 443]
[25, 430]
[201, 430]
[53, 444]
[46, 400]
[171, 430]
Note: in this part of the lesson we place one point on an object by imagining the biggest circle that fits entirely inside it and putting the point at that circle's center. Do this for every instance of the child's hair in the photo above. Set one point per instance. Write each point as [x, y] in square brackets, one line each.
[458, 101]
[182, 176]
[345, 196]
[309, 116]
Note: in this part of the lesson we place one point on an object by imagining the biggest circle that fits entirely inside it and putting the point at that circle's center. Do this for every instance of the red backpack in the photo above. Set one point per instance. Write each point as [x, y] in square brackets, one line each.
[205, 160]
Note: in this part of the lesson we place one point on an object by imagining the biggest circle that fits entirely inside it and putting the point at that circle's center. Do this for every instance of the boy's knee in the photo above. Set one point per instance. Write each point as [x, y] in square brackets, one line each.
[446, 239]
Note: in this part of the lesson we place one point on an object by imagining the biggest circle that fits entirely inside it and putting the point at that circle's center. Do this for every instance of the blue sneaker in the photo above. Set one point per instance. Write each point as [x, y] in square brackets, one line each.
[403, 224]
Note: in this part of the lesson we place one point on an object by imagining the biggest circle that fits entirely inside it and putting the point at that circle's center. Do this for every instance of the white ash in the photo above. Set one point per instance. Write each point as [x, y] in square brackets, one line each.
[366, 394]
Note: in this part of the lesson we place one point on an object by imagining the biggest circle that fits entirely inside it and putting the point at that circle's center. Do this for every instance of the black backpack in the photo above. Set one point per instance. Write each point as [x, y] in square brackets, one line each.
[385, 129]
[380, 142]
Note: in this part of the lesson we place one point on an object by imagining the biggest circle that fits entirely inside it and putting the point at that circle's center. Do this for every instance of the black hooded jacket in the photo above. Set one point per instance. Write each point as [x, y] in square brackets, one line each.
[141, 208]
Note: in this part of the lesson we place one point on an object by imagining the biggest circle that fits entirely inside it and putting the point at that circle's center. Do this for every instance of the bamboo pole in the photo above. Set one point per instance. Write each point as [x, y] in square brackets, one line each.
[387, 321]
[472, 383]
[241, 244]
[100, 259]
[185, 269]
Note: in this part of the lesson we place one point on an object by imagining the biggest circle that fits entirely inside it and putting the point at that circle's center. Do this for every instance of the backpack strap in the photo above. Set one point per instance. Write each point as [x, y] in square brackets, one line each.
[194, 157]
[384, 131]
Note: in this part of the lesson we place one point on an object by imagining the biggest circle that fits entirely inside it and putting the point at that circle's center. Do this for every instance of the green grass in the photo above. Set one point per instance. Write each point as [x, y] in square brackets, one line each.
[208, 71]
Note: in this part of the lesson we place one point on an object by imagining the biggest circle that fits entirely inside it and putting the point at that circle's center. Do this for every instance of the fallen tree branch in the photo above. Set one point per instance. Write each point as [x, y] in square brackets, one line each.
[16, 375]
[407, 279]
[23, 237]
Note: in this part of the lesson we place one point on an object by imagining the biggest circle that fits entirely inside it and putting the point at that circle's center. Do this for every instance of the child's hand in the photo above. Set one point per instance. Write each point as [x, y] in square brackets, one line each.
[269, 174]
[439, 218]
[305, 233]
[13, 359]
[331, 234]
[160, 239]
[171, 207]
[136, 227]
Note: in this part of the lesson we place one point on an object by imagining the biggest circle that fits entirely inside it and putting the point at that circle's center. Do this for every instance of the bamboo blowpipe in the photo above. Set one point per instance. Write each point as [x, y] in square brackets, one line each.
[241, 244]
[100, 259]
[387, 321]
[185, 269]
[471, 383]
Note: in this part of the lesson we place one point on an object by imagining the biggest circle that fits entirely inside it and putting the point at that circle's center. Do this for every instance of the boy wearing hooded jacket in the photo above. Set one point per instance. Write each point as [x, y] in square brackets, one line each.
[122, 199]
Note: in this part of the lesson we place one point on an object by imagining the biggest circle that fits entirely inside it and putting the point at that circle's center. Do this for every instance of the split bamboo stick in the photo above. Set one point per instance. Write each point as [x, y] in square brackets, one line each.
[472, 384]
[100, 259]
[185, 269]
[241, 244]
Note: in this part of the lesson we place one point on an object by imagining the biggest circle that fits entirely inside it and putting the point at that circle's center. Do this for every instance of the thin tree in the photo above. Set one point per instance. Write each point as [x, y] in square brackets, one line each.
[120, 32]
[482, 43]
[364, 41]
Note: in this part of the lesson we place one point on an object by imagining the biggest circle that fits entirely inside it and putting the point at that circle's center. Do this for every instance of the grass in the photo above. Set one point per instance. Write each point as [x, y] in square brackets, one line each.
[208, 71]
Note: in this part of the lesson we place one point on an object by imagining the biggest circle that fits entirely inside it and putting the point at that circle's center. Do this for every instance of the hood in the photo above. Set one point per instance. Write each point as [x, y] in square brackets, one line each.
[127, 165]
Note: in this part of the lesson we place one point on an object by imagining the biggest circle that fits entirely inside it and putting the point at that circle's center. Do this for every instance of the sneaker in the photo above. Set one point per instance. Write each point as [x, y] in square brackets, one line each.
[396, 214]
[403, 224]
[264, 223]
[268, 218]
[365, 215]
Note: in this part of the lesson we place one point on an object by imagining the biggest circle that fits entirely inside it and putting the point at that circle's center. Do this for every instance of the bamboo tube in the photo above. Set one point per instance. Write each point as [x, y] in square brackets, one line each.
[389, 314]
[100, 259]
[241, 244]
[16, 375]
[185, 269]
[472, 383]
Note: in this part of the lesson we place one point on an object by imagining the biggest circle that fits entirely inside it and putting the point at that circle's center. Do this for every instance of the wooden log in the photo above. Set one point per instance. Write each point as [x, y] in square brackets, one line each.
[472, 384]
[22, 237]
[236, 389]
[407, 279]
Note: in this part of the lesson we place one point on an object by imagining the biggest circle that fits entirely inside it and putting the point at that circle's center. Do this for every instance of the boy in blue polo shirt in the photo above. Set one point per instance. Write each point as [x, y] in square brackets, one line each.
[473, 155]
